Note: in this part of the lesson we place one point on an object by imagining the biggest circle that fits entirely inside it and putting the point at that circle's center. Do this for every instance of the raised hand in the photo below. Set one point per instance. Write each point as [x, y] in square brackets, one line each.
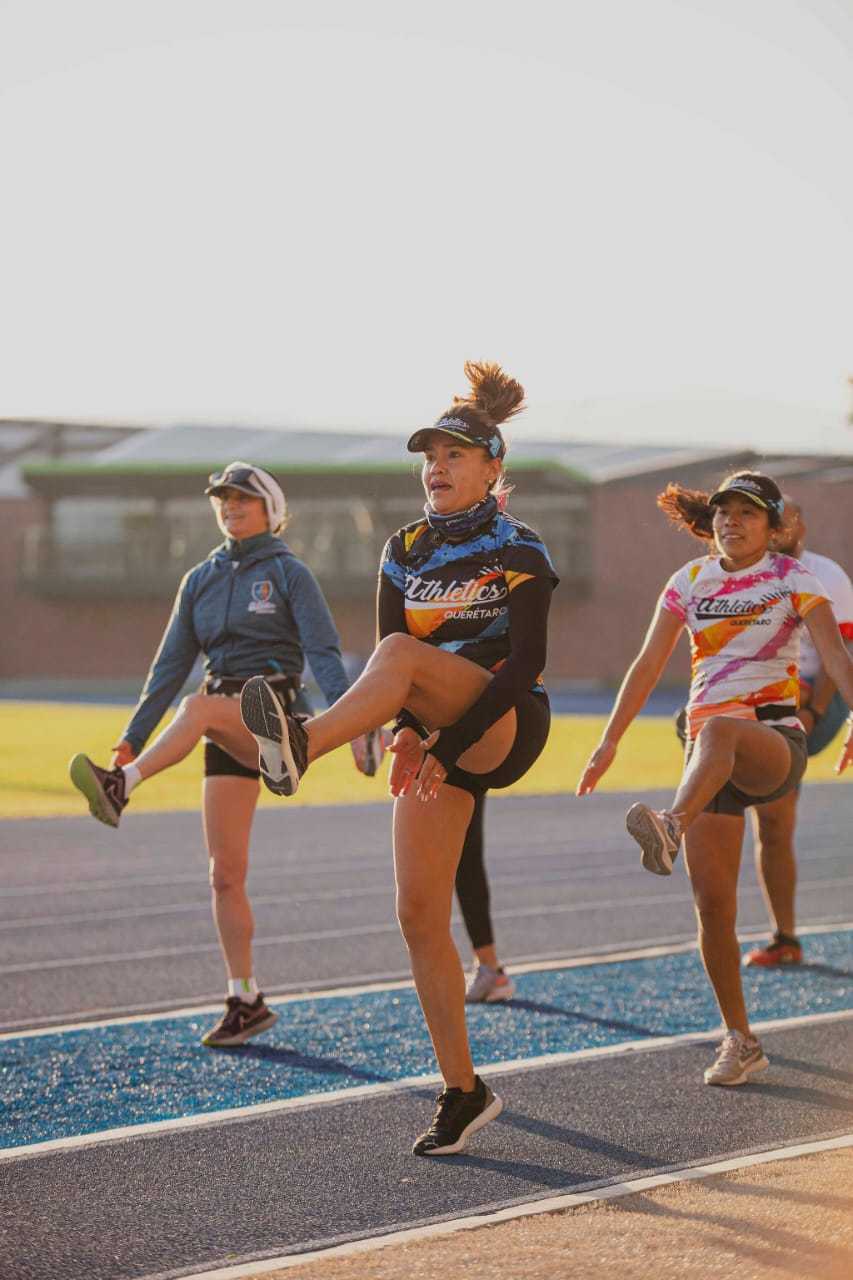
[123, 753]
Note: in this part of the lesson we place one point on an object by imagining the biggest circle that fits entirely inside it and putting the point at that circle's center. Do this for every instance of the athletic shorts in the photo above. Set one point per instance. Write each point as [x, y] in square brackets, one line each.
[731, 800]
[219, 764]
[533, 721]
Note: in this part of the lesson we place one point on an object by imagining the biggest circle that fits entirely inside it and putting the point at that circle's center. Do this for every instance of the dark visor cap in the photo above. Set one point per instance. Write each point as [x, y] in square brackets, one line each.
[233, 478]
[760, 489]
[487, 438]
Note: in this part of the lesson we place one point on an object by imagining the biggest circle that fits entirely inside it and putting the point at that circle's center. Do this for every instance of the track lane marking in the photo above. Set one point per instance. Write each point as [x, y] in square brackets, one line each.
[488, 1217]
[643, 950]
[370, 930]
[337, 1097]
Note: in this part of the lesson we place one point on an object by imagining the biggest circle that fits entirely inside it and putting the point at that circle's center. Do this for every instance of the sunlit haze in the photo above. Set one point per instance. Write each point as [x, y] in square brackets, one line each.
[312, 214]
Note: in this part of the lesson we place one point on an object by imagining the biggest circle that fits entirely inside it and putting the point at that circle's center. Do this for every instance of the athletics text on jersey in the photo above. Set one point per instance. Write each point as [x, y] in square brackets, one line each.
[456, 593]
[744, 632]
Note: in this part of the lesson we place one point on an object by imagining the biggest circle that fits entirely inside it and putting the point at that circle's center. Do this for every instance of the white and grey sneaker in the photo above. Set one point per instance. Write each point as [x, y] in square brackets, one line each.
[281, 738]
[487, 985]
[658, 836]
[737, 1058]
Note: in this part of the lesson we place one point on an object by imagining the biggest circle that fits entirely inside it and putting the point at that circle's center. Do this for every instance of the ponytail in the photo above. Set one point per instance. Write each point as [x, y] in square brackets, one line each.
[689, 510]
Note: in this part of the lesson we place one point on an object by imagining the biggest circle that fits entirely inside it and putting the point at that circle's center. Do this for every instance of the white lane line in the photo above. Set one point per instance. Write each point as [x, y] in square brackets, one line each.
[385, 889]
[638, 951]
[335, 1097]
[370, 930]
[488, 1217]
[79, 1019]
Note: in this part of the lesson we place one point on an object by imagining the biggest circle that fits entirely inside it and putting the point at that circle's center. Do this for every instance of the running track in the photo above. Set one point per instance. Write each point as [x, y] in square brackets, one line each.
[130, 1151]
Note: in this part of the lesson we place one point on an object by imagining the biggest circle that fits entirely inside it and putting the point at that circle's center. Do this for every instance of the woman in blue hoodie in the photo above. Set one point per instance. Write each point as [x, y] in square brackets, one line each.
[250, 607]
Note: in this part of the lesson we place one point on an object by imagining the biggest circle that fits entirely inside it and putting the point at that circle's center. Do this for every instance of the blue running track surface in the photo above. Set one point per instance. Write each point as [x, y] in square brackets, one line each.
[67, 1083]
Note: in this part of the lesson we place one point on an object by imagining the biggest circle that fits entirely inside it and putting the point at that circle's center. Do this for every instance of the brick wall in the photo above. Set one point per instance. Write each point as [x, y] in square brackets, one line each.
[592, 638]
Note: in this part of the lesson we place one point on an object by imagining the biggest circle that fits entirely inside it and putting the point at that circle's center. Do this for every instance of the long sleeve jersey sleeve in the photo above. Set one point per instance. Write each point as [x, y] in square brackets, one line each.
[173, 662]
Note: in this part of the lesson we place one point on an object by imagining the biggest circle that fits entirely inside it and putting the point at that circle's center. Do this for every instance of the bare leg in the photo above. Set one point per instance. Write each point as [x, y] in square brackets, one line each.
[712, 853]
[749, 754]
[228, 809]
[426, 852]
[197, 716]
[775, 860]
[435, 686]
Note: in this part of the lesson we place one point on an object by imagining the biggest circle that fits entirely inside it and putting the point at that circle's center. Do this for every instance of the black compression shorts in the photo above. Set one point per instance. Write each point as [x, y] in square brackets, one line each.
[219, 764]
[533, 721]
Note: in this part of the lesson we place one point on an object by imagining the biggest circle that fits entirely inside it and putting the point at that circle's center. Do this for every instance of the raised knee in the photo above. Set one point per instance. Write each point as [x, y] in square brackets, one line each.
[195, 705]
[397, 646]
[718, 730]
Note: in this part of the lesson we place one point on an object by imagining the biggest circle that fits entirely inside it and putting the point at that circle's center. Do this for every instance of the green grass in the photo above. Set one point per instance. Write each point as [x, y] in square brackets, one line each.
[38, 739]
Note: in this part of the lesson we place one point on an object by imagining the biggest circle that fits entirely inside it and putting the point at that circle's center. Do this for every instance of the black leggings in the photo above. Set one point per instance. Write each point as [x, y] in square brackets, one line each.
[472, 887]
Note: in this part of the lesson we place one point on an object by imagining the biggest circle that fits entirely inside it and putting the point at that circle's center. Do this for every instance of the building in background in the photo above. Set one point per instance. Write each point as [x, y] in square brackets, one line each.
[101, 523]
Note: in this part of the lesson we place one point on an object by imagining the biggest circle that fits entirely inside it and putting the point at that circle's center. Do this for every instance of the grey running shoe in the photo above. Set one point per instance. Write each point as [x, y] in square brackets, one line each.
[375, 752]
[103, 788]
[239, 1023]
[487, 985]
[737, 1058]
[457, 1117]
[282, 741]
[658, 836]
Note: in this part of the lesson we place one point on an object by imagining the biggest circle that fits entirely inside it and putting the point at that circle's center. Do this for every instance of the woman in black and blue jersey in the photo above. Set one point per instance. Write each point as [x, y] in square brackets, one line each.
[463, 603]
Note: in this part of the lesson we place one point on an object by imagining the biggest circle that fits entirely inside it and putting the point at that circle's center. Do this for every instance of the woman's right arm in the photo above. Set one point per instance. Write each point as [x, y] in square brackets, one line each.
[173, 662]
[642, 676]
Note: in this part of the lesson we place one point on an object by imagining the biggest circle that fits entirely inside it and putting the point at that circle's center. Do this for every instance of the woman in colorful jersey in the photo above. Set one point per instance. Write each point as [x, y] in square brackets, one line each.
[463, 603]
[250, 606]
[743, 607]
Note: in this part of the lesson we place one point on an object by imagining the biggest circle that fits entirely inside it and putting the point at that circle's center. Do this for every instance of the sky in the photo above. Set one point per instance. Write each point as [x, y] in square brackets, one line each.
[314, 213]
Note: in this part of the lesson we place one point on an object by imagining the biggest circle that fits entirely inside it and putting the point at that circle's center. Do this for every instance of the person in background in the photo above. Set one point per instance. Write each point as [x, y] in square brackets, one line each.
[488, 982]
[251, 606]
[822, 713]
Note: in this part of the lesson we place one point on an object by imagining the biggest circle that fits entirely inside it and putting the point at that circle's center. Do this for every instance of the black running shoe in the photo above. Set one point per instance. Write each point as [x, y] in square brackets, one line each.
[239, 1023]
[103, 788]
[282, 741]
[457, 1117]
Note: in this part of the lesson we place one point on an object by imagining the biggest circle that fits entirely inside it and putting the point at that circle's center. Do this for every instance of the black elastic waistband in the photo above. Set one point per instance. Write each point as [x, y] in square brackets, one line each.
[232, 685]
[774, 711]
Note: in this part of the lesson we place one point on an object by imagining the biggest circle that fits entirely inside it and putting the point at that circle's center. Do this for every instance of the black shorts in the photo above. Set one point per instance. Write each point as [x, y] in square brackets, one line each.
[731, 800]
[533, 721]
[219, 764]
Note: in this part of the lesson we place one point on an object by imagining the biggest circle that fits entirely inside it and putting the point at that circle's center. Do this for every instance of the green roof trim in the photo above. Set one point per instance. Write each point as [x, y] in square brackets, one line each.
[36, 469]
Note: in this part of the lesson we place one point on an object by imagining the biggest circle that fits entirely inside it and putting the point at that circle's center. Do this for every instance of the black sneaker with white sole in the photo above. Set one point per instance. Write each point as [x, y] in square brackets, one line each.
[282, 741]
[458, 1116]
[239, 1023]
[103, 788]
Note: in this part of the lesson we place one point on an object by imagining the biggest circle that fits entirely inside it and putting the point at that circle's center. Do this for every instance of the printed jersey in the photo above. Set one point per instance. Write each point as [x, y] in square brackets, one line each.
[839, 589]
[744, 632]
[456, 594]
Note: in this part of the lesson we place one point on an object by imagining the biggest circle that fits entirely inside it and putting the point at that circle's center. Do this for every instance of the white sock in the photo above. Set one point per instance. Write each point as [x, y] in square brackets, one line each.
[245, 988]
[131, 777]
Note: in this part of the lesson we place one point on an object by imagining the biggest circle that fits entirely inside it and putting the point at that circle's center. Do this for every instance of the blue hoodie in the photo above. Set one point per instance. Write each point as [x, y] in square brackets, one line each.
[251, 607]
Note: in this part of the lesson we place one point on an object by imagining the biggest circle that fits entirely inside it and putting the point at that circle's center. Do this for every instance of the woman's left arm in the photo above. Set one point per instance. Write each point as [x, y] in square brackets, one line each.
[529, 603]
[837, 664]
[835, 659]
[317, 632]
